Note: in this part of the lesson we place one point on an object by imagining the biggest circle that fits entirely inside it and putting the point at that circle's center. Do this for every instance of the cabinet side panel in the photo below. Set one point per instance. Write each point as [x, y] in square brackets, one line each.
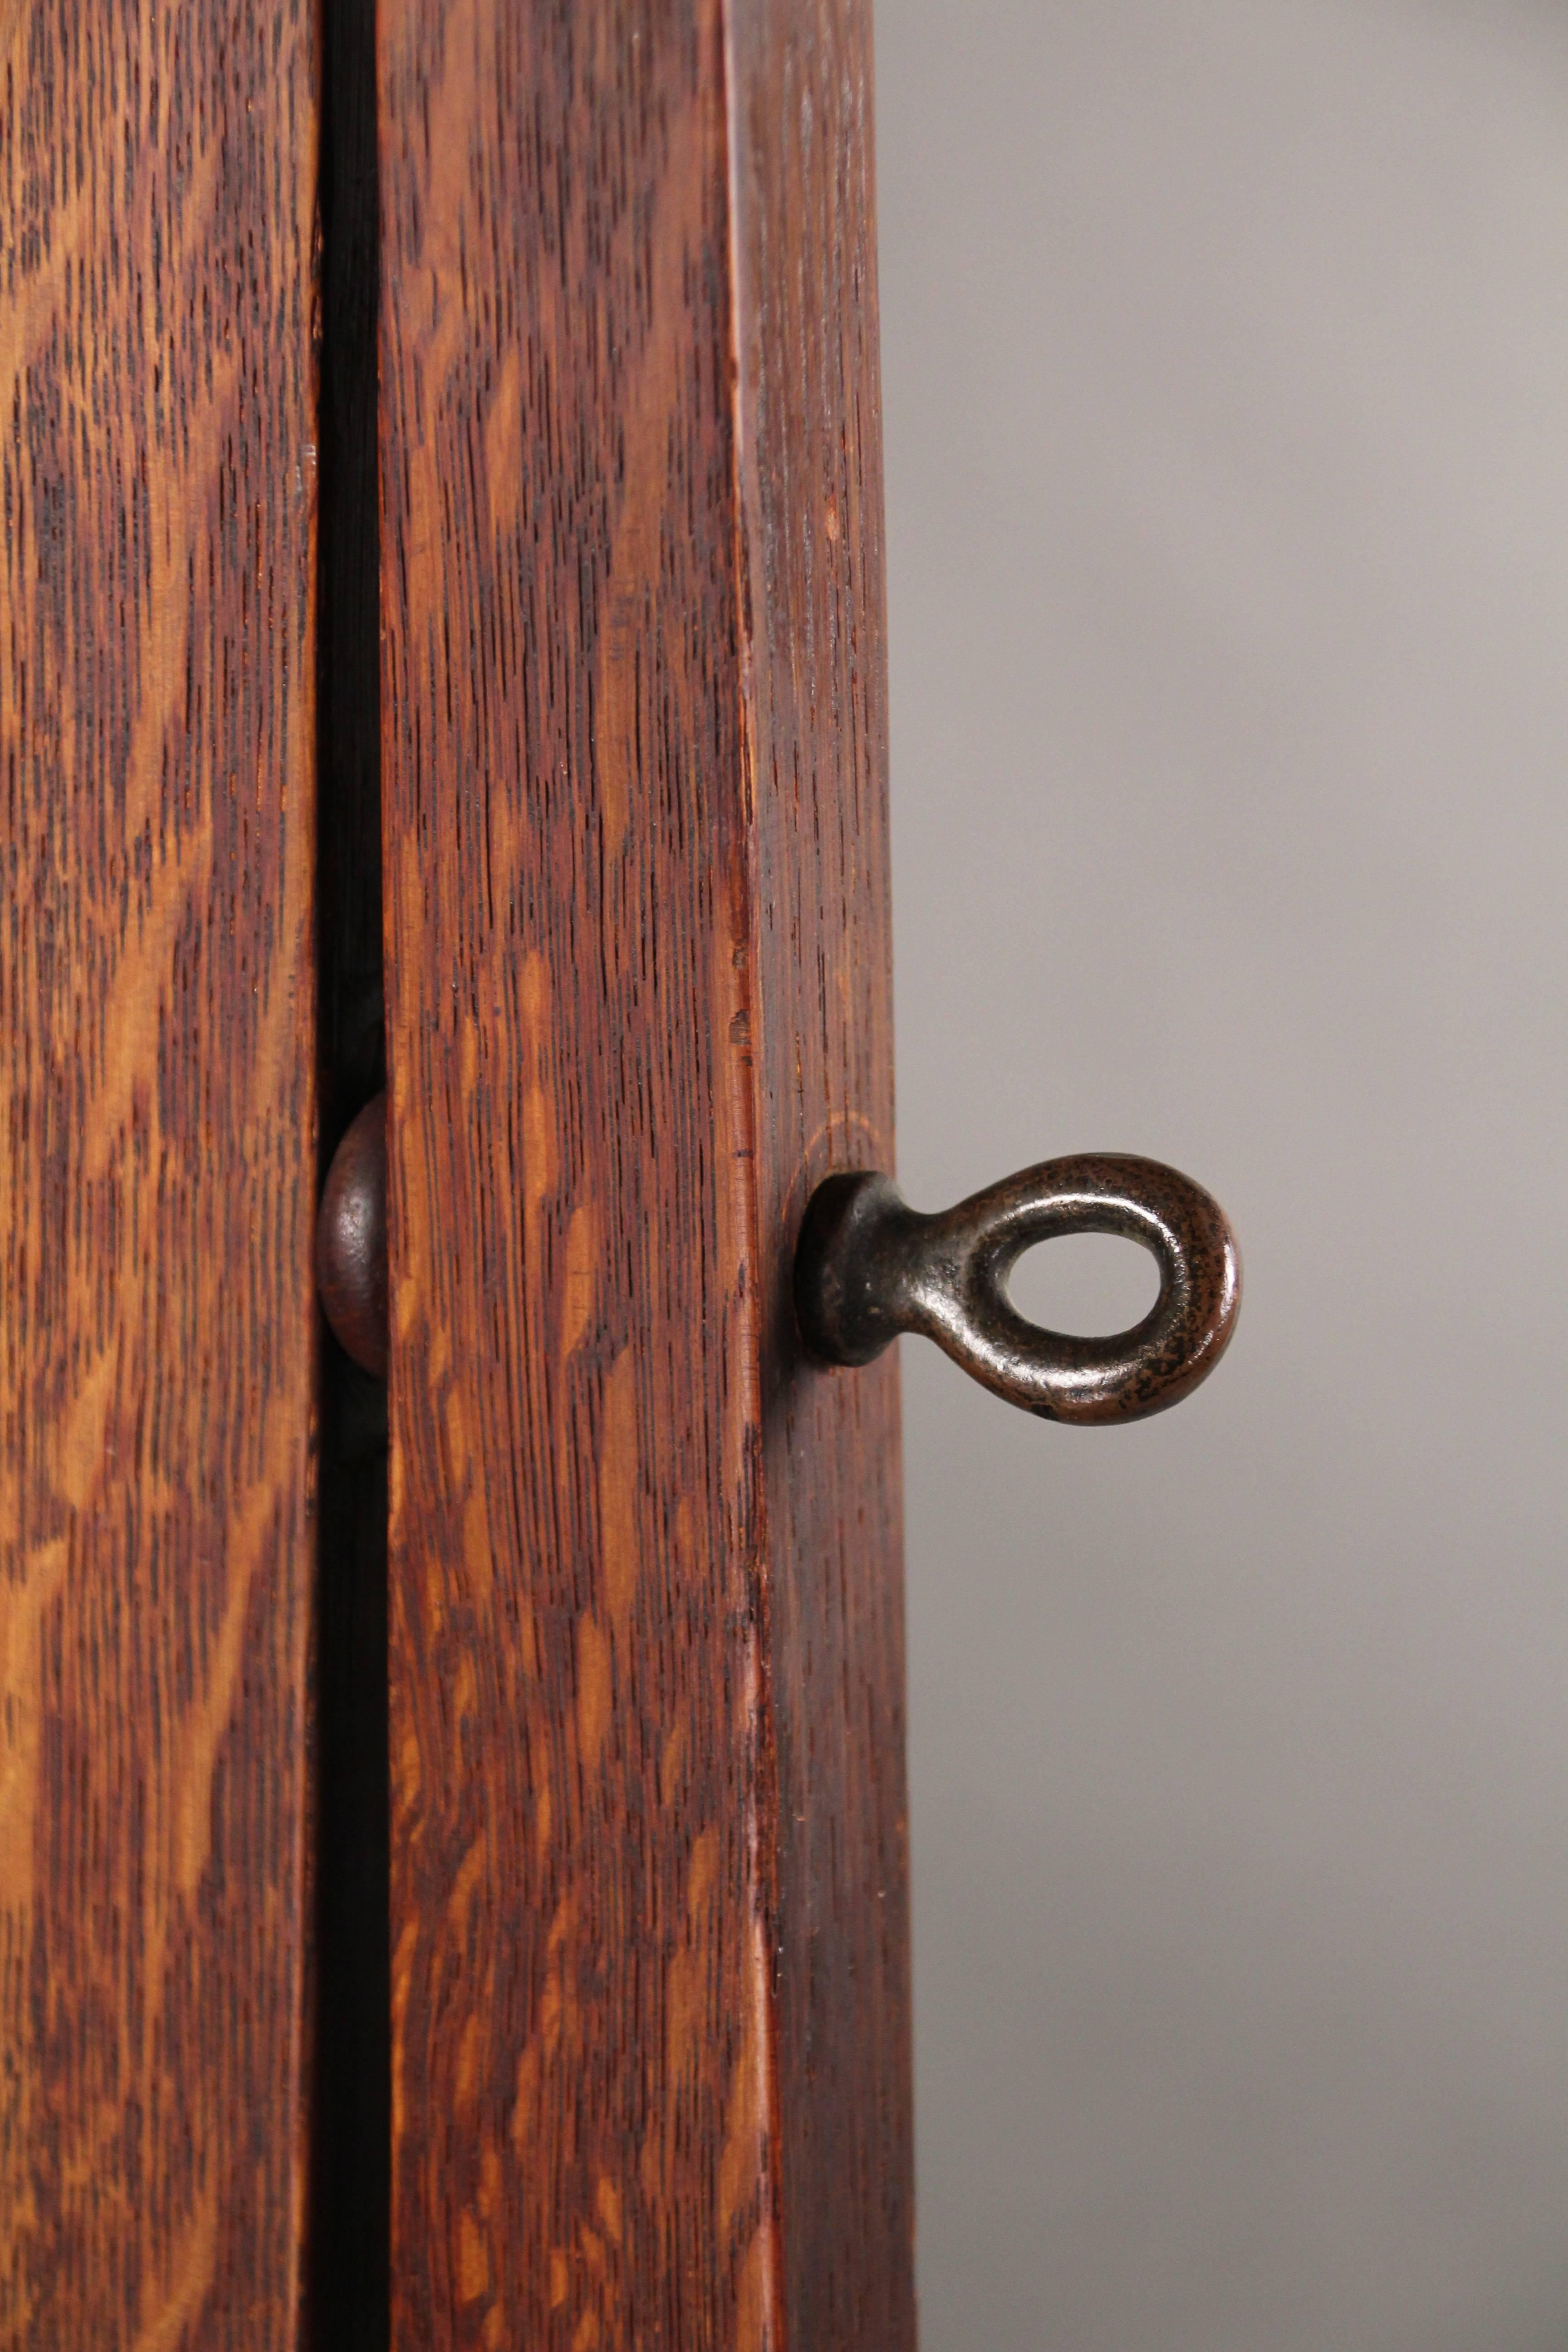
[581, 2074]
[814, 600]
[157, 1144]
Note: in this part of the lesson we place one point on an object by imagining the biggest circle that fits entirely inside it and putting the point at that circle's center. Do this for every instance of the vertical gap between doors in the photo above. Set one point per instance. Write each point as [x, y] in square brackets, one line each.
[350, 2169]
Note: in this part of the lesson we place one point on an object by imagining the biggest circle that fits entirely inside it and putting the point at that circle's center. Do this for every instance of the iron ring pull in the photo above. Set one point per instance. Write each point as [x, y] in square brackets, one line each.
[867, 1266]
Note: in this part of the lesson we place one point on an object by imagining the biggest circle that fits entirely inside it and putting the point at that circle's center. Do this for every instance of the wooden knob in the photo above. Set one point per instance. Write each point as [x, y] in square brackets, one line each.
[351, 1241]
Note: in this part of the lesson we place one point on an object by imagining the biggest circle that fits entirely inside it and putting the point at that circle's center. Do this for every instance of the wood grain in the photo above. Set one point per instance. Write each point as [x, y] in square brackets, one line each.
[157, 1146]
[814, 660]
[651, 1998]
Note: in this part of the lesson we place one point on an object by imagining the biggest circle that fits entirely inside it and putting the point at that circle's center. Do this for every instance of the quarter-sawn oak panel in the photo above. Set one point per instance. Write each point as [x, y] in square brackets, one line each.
[650, 2062]
[157, 1144]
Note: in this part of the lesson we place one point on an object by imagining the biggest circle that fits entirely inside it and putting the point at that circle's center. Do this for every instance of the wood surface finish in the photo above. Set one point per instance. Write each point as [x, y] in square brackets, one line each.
[157, 1168]
[650, 2065]
[814, 664]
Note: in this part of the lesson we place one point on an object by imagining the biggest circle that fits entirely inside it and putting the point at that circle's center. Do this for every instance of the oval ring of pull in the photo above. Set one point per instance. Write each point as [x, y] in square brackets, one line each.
[867, 1266]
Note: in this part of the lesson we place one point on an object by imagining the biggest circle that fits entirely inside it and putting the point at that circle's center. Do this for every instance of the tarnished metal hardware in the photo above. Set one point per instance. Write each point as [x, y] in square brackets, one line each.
[867, 1266]
[351, 1241]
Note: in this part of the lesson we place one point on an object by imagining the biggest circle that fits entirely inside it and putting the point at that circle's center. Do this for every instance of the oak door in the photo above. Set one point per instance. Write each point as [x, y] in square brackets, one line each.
[452, 1835]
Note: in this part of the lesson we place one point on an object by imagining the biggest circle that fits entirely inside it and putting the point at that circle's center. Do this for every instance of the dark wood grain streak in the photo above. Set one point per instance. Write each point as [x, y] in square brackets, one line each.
[157, 1150]
[650, 2029]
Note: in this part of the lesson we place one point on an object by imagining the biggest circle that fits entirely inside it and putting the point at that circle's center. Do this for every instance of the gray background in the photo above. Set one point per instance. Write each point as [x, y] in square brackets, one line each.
[1226, 348]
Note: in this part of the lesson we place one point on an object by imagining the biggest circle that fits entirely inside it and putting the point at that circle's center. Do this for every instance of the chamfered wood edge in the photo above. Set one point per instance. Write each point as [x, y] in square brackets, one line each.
[809, 505]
